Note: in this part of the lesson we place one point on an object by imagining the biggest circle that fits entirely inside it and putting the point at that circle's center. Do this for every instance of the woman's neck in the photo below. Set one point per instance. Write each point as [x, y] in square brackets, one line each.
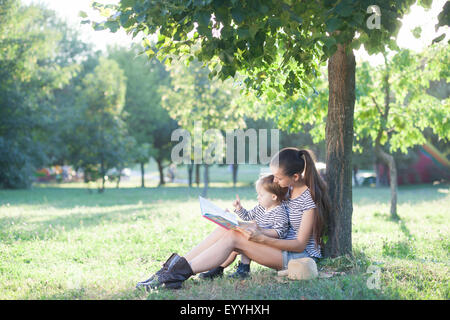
[298, 189]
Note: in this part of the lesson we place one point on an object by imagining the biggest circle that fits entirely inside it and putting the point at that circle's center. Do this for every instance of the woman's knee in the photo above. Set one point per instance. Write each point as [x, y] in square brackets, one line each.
[235, 238]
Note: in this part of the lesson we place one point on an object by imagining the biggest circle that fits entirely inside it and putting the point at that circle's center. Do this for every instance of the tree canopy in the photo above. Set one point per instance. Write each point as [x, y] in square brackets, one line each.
[278, 45]
[31, 44]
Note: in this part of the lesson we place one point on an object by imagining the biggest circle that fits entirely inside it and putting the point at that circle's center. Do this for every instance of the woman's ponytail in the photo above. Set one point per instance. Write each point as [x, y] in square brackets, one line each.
[319, 194]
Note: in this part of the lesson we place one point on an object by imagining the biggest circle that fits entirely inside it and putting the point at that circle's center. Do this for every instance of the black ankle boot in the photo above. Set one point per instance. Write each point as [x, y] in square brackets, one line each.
[213, 273]
[242, 271]
[164, 267]
[178, 271]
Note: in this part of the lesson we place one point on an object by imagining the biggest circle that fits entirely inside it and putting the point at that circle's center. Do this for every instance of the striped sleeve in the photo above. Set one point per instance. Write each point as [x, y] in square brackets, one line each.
[250, 215]
[308, 202]
[281, 221]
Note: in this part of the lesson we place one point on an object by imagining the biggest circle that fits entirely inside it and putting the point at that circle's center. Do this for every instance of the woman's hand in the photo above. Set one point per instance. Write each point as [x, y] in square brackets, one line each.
[254, 232]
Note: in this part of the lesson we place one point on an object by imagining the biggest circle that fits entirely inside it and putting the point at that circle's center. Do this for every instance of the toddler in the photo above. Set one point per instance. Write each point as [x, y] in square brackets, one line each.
[269, 214]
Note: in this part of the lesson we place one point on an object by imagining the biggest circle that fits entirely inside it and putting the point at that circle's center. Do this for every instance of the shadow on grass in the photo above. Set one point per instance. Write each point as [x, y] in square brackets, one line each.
[51, 227]
[412, 194]
[71, 197]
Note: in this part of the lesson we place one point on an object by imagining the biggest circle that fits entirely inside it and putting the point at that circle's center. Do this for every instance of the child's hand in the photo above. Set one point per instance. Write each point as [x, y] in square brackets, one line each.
[237, 204]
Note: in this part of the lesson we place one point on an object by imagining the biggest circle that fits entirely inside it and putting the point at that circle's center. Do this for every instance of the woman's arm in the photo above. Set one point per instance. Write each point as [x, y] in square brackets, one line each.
[272, 233]
[297, 245]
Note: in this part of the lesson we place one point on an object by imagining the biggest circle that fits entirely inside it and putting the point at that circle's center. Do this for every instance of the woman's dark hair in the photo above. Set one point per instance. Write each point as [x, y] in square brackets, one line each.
[292, 161]
[266, 181]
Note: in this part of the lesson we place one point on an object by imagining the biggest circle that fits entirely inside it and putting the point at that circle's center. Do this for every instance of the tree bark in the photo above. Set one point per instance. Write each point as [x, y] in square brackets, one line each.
[161, 173]
[379, 152]
[190, 168]
[102, 170]
[235, 170]
[197, 174]
[355, 178]
[339, 141]
[118, 179]
[142, 175]
[206, 181]
[390, 162]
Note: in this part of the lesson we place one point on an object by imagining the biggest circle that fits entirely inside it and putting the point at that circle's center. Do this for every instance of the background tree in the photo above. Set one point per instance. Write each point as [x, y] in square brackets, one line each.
[30, 70]
[99, 129]
[192, 97]
[394, 107]
[147, 121]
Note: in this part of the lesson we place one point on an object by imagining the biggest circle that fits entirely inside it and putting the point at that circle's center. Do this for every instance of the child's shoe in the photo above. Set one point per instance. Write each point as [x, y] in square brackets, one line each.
[242, 271]
[213, 273]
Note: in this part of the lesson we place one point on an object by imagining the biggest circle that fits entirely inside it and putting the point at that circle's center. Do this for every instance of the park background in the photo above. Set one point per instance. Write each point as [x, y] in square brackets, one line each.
[90, 202]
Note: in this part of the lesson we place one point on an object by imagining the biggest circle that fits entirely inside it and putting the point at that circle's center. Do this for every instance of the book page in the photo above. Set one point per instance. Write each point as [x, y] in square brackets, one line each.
[207, 207]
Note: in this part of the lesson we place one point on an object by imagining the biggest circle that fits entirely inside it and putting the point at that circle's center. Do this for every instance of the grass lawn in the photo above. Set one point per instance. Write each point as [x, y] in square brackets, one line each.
[62, 242]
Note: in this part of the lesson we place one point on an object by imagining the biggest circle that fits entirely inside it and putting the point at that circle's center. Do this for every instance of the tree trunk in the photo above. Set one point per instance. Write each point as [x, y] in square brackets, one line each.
[355, 178]
[379, 152]
[390, 162]
[206, 181]
[190, 168]
[197, 174]
[118, 179]
[377, 175]
[142, 175]
[161, 173]
[235, 170]
[102, 170]
[339, 140]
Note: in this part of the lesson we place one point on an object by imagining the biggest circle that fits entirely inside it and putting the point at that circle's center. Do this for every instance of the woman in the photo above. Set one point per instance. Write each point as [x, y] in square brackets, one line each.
[308, 208]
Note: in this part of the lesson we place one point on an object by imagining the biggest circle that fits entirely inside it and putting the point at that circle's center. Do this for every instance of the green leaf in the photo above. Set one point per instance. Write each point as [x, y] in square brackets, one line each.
[243, 32]
[124, 18]
[329, 42]
[98, 26]
[438, 39]
[344, 9]
[203, 18]
[356, 44]
[416, 32]
[82, 14]
[334, 24]
[112, 25]
[425, 3]
[237, 15]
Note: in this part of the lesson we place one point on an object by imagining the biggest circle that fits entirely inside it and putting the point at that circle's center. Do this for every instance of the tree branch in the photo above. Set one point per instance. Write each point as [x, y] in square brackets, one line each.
[377, 106]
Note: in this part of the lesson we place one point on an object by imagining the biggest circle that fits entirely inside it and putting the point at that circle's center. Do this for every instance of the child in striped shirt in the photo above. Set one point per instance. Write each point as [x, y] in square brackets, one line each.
[270, 214]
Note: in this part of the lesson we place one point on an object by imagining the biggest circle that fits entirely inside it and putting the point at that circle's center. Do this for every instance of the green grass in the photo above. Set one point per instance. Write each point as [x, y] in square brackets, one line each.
[62, 242]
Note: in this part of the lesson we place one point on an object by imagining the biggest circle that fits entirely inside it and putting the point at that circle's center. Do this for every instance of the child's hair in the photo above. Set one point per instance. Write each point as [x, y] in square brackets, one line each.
[293, 160]
[266, 181]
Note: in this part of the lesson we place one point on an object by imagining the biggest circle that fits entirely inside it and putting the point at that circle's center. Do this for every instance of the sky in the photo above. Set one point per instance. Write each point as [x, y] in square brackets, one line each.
[418, 16]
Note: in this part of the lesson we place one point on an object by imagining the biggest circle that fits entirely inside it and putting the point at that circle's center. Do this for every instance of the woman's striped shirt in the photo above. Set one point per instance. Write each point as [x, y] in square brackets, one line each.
[276, 218]
[295, 208]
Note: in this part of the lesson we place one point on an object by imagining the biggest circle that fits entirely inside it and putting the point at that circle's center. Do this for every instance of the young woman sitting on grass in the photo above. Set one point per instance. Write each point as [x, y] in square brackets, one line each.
[308, 209]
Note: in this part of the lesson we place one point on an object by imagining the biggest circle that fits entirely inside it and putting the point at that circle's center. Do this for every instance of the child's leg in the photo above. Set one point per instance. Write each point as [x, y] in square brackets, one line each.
[229, 260]
[245, 259]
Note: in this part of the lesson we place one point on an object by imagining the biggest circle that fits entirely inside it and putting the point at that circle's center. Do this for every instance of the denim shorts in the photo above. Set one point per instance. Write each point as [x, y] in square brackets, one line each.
[289, 255]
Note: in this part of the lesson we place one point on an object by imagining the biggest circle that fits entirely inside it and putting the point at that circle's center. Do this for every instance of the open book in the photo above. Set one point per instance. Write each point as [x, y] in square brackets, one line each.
[227, 220]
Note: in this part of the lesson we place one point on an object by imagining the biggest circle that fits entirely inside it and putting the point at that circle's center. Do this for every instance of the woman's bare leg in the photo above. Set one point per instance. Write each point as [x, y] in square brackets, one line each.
[218, 233]
[216, 254]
